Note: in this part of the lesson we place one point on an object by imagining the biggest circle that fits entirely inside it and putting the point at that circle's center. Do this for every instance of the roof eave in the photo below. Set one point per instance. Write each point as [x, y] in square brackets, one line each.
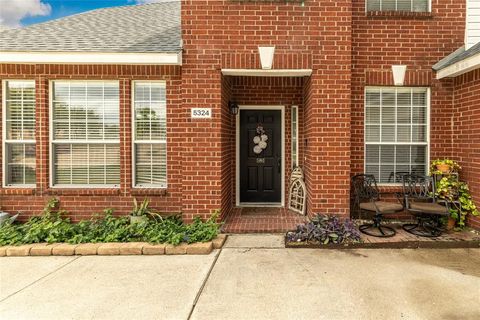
[460, 67]
[134, 58]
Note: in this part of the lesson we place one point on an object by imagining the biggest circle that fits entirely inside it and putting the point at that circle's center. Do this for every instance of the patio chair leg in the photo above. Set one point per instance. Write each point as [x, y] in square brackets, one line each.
[382, 231]
[430, 228]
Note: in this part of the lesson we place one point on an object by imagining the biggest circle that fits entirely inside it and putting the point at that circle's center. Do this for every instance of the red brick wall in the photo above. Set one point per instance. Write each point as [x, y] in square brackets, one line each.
[228, 148]
[274, 92]
[418, 40]
[82, 203]
[226, 34]
[466, 132]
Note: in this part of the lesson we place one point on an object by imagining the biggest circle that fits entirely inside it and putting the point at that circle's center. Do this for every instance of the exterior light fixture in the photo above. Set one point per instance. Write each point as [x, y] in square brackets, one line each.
[233, 107]
[399, 74]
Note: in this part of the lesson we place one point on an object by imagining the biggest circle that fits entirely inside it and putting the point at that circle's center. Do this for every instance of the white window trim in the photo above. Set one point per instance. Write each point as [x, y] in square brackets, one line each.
[60, 141]
[294, 109]
[92, 58]
[429, 6]
[427, 143]
[4, 136]
[134, 173]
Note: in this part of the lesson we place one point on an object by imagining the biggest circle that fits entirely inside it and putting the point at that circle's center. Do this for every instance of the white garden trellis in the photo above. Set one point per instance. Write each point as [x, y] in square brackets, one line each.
[298, 193]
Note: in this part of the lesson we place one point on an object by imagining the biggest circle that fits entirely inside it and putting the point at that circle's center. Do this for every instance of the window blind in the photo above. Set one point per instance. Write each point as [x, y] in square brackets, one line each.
[396, 132]
[398, 5]
[150, 134]
[85, 133]
[294, 119]
[19, 133]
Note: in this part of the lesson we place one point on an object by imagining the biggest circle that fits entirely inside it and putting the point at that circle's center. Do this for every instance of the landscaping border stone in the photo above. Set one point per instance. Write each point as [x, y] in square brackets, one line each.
[111, 248]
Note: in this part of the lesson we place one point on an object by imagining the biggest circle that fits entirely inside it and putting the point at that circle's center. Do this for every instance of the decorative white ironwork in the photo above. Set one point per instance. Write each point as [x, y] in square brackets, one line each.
[298, 192]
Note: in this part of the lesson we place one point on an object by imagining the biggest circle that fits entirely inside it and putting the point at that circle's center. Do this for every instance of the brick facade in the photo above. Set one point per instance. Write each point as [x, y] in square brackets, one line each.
[82, 203]
[466, 132]
[346, 48]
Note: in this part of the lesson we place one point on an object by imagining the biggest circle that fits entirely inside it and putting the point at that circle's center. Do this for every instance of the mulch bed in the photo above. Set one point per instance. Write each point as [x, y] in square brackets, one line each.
[402, 240]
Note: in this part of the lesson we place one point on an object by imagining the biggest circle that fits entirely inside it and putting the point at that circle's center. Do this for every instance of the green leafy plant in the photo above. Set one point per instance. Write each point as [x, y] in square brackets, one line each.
[453, 166]
[457, 194]
[140, 210]
[51, 226]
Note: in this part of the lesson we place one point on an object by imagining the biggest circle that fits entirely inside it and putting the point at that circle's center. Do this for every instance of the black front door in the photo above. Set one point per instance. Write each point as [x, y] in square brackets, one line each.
[260, 164]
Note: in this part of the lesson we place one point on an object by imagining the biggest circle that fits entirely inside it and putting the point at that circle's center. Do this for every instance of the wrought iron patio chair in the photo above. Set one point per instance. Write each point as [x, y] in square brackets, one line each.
[420, 201]
[367, 200]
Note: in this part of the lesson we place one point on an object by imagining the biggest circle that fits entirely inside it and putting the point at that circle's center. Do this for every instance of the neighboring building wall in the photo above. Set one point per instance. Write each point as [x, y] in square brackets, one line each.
[82, 203]
[417, 40]
[226, 34]
[466, 133]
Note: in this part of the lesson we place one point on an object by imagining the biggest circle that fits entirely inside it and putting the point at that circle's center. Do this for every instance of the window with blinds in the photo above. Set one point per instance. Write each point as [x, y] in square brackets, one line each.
[150, 134]
[396, 132]
[294, 136]
[85, 133]
[399, 5]
[19, 133]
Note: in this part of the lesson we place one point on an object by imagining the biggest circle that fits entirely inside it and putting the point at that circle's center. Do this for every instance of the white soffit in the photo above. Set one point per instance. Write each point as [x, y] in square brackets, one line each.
[91, 58]
[268, 73]
[460, 67]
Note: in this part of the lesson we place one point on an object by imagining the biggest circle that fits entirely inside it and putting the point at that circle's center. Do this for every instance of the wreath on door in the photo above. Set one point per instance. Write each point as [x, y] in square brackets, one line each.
[260, 140]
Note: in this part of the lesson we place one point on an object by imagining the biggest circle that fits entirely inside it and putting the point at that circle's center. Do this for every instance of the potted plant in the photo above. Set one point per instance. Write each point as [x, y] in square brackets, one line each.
[445, 166]
[457, 194]
[139, 212]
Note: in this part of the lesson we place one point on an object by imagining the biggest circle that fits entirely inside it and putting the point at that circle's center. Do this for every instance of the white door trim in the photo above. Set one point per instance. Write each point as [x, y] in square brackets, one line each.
[237, 156]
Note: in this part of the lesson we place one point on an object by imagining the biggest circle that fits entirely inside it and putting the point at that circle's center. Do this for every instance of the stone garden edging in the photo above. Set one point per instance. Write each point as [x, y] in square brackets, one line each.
[111, 248]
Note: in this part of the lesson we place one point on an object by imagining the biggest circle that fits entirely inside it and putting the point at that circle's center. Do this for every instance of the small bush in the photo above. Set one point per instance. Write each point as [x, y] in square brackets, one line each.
[52, 227]
[325, 229]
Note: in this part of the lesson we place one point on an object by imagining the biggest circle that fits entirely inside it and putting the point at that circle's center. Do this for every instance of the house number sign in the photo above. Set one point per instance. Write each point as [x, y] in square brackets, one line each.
[201, 113]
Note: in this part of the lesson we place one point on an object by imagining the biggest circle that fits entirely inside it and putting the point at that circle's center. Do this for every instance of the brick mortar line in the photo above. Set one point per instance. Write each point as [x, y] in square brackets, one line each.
[205, 280]
[41, 278]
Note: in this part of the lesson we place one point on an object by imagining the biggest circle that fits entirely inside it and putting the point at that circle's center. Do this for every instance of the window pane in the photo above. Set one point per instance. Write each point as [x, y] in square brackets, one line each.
[398, 5]
[20, 110]
[87, 110]
[294, 114]
[151, 164]
[19, 127]
[150, 112]
[373, 5]
[388, 5]
[420, 5]
[402, 128]
[20, 163]
[87, 164]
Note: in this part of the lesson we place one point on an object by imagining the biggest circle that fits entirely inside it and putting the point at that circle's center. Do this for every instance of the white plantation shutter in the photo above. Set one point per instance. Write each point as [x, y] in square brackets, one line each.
[150, 134]
[398, 5]
[396, 132]
[19, 133]
[86, 133]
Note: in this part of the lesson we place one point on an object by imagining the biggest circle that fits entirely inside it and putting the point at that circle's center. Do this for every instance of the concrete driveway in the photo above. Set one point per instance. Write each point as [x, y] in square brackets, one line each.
[252, 277]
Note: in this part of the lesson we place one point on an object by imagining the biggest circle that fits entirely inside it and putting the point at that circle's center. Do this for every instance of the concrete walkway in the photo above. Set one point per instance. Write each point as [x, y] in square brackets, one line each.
[252, 277]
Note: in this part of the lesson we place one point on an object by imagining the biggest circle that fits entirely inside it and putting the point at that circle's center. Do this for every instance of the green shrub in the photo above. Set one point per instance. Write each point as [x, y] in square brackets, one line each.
[52, 227]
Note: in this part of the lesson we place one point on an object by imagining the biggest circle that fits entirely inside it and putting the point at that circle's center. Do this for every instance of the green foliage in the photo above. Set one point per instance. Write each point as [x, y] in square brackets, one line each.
[142, 209]
[458, 195]
[51, 227]
[453, 165]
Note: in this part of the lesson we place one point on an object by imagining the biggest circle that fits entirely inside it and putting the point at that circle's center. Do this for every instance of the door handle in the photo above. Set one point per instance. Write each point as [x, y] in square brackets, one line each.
[279, 164]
